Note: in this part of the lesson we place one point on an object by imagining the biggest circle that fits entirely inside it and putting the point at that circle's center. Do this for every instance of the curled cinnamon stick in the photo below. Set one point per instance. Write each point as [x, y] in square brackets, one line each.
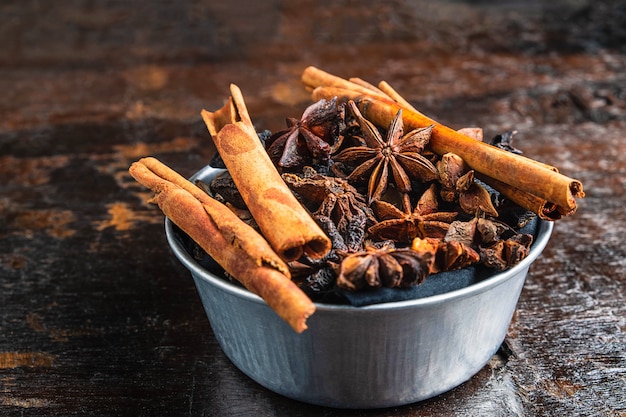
[515, 170]
[314, 77]
[543, 208]
[286, 225]
[237, 247]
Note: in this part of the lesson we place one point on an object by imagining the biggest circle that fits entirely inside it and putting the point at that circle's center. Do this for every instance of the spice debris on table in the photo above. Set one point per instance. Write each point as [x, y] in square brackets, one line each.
[363, 191]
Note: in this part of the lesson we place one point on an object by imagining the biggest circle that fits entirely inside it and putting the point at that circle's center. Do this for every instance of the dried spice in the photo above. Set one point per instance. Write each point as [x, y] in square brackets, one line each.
[310, 139]
[453, 255]
[267, 197]
[224, 189]
[318, 276]
[458, 184]
[380, 238]
[424, 221]
[397, 156]
[385, 266]
[516, 171]
[393, 210]
[494, 243]
[330, 197]
[239, 249]
[505, 141]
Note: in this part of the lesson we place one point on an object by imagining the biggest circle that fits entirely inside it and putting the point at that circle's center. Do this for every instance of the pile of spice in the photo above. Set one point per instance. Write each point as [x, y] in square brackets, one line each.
[362, 192]
[395, 211]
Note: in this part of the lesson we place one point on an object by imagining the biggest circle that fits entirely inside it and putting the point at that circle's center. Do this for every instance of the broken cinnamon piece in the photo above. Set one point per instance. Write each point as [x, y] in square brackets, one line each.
[516, 170]
[286, 225]
[238, 248]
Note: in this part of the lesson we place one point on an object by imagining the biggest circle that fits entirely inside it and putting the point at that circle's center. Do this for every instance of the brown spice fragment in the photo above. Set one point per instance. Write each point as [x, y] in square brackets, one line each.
[238, 248]
[397, 156]
[385, 266]
[424, 221]
[312, 138]
[330, 197]
[458, 184]
[266, 195]
[517, 171]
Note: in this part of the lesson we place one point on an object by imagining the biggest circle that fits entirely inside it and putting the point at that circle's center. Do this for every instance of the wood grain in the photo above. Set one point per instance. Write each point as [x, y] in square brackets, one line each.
[98, 317]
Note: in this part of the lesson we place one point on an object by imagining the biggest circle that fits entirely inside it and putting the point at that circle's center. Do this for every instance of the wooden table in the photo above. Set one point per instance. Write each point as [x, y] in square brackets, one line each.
[98, 317]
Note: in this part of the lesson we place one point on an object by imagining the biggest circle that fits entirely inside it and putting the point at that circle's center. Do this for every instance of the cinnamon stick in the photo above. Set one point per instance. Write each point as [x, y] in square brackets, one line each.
[515, 170]
[237, 247]
[543, 208]
[385, 87]
[315, 77]
[287, 226]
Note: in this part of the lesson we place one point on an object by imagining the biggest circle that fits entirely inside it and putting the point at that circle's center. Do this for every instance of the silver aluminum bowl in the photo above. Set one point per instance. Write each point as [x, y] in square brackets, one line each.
[377, 356]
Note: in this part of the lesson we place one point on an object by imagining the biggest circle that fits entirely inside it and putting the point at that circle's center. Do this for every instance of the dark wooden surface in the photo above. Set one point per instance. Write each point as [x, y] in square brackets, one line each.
[98, 318]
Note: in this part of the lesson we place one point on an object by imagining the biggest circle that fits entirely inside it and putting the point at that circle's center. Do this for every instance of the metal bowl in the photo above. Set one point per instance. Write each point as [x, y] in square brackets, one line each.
[376, 356]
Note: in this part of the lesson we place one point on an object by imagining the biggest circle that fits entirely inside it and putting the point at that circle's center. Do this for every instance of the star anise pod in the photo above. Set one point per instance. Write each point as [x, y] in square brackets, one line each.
[313, 137]
[316, 277]
[494, 243]
[397, 156]
[330, 197]
[448, 255]
[383, 267]
[424, 221]
[457, 181]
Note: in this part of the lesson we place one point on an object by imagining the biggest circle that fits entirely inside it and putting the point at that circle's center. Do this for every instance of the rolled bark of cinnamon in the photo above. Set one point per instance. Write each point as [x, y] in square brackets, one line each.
[284, 222]
[515, 170]
[543, 208]
[237, 247]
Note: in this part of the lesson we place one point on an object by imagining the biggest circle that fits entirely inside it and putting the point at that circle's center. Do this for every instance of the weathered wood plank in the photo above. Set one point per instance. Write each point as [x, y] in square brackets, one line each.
[98, 318]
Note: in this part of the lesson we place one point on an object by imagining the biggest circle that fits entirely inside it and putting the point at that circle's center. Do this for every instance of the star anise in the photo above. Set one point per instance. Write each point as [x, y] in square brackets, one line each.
[448, 255]
[494, 243]
[500, 245]
[398, 155]
[330, 197]
[383, 267]
[458, 184]
[424, 221]
[314, 136]
[506, 253]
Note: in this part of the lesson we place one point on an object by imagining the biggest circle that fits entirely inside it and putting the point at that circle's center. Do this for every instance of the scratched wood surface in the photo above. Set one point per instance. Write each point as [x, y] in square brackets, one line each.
[98, 318]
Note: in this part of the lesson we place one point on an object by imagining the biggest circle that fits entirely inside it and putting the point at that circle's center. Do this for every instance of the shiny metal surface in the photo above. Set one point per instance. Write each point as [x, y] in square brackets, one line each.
[363, 357]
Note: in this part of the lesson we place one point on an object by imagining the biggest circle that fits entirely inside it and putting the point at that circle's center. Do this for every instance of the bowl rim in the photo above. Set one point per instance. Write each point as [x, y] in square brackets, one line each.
[543, 234]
